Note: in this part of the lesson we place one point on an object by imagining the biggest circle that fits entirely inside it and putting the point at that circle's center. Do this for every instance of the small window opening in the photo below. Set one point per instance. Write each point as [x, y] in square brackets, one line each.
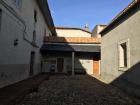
[123, 55]
[34, 36]
[35, 16]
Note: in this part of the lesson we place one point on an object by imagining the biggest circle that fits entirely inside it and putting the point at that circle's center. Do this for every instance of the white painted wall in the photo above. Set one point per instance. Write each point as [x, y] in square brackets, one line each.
[85, 63]
[96, 31]
[14, 61]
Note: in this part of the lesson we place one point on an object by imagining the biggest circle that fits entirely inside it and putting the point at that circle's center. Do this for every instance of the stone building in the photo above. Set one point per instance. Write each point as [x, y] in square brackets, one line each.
[72, 32]
[96, 31]
[73, 51]
[23, 25]
[120, 51]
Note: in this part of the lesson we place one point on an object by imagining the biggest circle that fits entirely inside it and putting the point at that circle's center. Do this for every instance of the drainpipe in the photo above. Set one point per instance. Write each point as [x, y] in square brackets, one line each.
[11, 10]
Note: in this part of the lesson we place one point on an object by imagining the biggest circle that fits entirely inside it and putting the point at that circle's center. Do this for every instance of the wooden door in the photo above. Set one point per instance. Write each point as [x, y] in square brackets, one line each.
[60, 64]
[96, 66]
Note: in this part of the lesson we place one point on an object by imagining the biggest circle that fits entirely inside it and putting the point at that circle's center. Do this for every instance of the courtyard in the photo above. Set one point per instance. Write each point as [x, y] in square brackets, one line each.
[77, 90]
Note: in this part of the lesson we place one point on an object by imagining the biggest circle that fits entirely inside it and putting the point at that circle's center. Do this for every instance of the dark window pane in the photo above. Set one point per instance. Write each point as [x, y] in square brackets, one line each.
[124, 46]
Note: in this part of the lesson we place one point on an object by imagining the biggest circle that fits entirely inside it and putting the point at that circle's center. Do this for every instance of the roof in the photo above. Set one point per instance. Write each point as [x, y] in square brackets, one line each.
[121, 15]
[101, 25]
[84, 40]
[43, 4]
[72, 28]
[70, 48]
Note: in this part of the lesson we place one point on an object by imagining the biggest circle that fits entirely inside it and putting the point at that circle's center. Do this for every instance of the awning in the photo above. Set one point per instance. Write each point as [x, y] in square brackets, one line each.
[70, 48]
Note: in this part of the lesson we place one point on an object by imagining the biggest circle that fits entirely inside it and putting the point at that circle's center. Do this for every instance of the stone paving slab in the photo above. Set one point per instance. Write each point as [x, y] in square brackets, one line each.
[14, 93]
[78, 90]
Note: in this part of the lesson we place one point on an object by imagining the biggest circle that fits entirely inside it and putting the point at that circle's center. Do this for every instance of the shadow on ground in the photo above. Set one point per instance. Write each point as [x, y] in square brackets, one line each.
[77, 90]
[84, 89]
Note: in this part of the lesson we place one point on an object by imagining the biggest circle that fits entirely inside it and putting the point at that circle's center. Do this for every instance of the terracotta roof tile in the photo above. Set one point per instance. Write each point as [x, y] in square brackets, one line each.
[72, 40]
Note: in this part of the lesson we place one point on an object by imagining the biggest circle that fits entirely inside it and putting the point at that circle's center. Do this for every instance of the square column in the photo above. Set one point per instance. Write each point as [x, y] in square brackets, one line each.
[73, 59]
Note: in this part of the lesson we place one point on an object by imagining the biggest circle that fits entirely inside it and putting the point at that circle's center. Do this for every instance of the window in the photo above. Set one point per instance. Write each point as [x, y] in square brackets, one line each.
[34, 37]
[0, 18]
[32, 61]
[35, 16]
[124, 55]
[18, 3]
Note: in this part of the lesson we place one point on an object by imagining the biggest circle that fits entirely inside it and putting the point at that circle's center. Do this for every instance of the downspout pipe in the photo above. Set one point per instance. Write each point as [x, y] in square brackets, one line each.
[11, 10]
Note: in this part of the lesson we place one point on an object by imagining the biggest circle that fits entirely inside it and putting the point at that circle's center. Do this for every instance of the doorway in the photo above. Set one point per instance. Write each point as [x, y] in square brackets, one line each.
[96, 66]
[60, 64]
[32, 59]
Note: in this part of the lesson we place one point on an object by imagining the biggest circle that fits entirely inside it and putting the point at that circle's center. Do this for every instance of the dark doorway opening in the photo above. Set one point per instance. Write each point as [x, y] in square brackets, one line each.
[32, 60]
[60, 64]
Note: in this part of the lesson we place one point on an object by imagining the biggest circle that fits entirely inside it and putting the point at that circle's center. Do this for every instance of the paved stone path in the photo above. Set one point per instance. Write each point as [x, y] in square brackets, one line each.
[77, 90]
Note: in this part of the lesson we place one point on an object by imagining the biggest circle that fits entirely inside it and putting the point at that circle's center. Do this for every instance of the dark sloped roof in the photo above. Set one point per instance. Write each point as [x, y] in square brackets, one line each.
[70, 48]
[43, 4]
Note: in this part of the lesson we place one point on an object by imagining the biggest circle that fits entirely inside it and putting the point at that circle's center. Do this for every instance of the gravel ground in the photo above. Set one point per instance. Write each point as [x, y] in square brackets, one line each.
[77, 90]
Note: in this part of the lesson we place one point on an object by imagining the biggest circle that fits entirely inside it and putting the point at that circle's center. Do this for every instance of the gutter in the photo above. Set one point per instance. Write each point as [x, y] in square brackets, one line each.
[43, 5]
[11, 10]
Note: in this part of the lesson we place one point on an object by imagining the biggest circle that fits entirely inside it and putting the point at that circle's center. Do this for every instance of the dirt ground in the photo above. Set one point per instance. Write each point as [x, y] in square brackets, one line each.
[77, 90]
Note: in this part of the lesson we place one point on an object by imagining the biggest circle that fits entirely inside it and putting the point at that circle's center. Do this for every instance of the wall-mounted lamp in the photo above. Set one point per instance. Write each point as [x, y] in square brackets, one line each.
[16, 42]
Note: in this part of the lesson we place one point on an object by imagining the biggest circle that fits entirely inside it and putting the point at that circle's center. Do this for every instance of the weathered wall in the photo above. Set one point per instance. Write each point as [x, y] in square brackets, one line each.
[85, 64]
[66, 65]
[96, 31]
[72, 33]
[82, 63]
[15, 60]
[127, 30]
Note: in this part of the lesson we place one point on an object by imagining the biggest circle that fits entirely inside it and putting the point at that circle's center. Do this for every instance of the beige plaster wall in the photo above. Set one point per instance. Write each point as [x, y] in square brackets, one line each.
[127, 30]
[72, 33]
[97, 30]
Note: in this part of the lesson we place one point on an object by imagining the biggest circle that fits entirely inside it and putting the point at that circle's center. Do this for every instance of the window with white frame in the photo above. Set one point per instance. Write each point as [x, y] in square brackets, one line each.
[124, 55]
[18, 3]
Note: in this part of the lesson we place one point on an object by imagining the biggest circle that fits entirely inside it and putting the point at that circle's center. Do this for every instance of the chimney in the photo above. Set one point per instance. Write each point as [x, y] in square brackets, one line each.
[86, 27]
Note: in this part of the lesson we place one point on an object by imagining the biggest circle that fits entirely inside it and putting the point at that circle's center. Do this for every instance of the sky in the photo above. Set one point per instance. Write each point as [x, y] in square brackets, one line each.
[78, 13]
